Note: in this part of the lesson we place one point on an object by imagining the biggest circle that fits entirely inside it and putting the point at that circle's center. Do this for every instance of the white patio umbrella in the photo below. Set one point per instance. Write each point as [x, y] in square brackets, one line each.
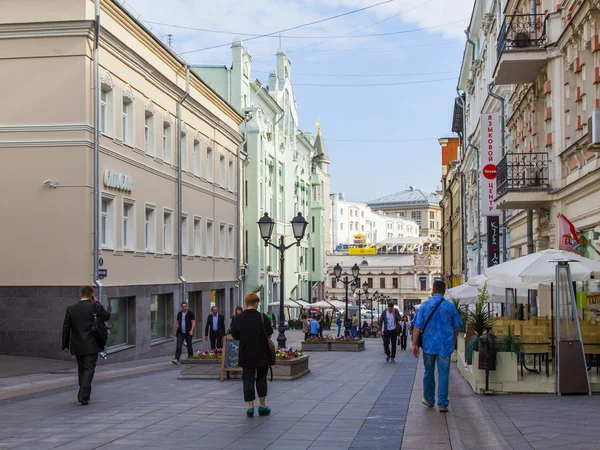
[468, 292]
[537, 268]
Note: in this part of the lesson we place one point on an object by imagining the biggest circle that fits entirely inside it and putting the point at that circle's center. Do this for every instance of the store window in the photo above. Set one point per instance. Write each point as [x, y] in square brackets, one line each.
[158, 316]
[118, 308]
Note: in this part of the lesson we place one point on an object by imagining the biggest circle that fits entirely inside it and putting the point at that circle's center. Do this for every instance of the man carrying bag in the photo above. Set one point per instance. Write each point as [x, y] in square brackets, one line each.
[84, 335]
[435, 329]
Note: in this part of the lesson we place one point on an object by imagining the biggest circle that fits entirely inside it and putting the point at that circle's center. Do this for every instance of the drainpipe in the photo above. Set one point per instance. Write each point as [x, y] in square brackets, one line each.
[96, 252]
[240, 150]
[463, 201]
[179, 185]
[464, 184]
[503, 144]
[530, 231]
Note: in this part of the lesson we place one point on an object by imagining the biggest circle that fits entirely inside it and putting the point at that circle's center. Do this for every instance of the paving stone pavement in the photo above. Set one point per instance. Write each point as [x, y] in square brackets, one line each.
[348, 401]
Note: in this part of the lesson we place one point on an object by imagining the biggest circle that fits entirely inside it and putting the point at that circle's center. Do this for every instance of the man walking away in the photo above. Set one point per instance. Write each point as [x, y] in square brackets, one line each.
[314, 328]
[77, 338]
[215, 328]
[338, 321]
[184, 330]
[437, 322]
[389, 324]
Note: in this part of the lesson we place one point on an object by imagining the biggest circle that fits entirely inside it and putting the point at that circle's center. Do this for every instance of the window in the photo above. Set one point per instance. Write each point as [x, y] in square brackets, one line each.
[197, 237]
[351, 226]
[118, 308]
[167, 232]
[382, 283]
[362, 228]
[431, 224]
[369, 282]
[128, 226]
[432, 215]
[127, 120]
[333, 283]
[149, 229]
[209, 164]
[184, 153]
[210, 240]
[362, 214]
[166, 142]
[197, 158]
[416, 215]
[106, 223]
[230, 243]
[312, 258]
[222, 241]
[401, 213]
[231, 176]
[158, 317]
[341, 226]
[222, 174]
[185, 246]
[395, 282]
[423, 281]
[148, 134]
[103, 110]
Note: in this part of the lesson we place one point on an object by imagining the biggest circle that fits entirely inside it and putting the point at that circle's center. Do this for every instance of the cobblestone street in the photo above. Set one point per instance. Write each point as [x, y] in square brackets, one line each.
[349, 400]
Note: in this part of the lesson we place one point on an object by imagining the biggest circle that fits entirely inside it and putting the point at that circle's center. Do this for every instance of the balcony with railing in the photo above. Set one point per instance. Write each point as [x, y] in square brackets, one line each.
[522, 180]
[521, 48]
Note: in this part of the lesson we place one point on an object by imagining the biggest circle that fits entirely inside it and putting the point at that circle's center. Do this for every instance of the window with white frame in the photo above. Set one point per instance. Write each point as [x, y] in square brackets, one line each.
[210, 239]
[231, 176]
[167, 231]
[222, 174]
[197, 157]
[184, 152]
[106, 104]
[222, 241]
[149, 134]
[185, 246]
[127, 119]
[149, 228]
[230, 242]
[128, 225]
[166, 142]
[209, 164]
[197, 236]
[107, 217]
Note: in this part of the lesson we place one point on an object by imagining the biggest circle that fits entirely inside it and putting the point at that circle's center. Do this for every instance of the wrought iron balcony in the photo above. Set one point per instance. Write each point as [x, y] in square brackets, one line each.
[522, 172]
[521, 48]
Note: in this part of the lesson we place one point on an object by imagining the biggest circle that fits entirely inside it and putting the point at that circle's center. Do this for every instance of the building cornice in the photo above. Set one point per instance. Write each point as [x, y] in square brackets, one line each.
[46, 29]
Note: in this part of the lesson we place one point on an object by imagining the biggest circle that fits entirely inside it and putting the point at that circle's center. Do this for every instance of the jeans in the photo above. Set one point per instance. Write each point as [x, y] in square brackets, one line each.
[353, 331]
[339, 330]
[188, 340]
[252, 376]
[387, 337]
[86, 366]
[443, 369]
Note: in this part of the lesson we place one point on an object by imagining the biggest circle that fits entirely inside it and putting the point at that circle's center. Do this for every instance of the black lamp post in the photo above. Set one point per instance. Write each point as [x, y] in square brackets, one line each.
[337, 271]
[265, 225]
[365, 291]
[375, 297]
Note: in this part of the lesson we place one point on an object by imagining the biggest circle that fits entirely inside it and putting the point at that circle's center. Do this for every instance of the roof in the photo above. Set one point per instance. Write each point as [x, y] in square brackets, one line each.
[320, 146]
[409, 197]
[347, 261]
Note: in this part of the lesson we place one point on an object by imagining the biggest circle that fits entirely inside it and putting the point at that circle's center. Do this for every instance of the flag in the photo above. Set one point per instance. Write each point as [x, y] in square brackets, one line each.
[570, 238]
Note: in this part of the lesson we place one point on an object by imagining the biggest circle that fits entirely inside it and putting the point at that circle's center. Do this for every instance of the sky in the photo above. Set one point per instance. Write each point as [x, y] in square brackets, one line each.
[395, 91]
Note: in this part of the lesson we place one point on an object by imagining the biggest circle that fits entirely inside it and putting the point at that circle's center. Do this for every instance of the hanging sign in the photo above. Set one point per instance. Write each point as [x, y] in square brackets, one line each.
[489, 157]
[493, 241]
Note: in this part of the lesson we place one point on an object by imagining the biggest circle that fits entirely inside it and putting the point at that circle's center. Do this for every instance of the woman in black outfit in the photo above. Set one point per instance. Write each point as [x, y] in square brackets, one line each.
[238, 311]
[254, 352]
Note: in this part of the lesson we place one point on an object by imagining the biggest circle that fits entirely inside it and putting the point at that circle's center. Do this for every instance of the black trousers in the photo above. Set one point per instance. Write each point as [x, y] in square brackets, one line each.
[86, 366]
[387, 337]
[257, 376]
[403, 339]
[216, 341]
[188, 340]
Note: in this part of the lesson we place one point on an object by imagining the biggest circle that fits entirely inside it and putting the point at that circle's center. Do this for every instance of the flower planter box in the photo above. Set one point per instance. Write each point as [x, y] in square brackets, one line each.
[347, 346]
[210, 369]
[316, 346]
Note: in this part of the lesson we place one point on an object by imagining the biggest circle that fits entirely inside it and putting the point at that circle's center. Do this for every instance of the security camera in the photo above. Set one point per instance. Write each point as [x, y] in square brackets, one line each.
[48, 182]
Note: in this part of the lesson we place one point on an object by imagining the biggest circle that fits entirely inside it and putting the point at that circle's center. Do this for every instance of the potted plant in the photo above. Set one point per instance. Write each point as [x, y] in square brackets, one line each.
[478, 322]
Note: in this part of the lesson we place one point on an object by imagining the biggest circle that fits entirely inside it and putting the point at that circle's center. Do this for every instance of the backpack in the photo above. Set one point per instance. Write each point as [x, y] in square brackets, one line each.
[99, 330]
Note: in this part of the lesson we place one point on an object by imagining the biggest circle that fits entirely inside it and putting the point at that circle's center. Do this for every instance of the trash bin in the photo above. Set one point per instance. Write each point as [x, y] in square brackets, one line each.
[487, 352]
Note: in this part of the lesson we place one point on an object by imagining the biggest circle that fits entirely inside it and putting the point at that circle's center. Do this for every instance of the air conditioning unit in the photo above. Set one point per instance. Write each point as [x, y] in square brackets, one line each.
[594, 131]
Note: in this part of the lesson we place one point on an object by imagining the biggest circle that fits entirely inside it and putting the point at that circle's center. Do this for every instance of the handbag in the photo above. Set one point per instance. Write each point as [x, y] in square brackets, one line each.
[420, 342]
[99, 330]
[272, 351]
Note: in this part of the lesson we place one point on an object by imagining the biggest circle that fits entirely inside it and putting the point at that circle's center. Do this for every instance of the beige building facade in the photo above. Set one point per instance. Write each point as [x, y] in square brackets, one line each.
[47, 140]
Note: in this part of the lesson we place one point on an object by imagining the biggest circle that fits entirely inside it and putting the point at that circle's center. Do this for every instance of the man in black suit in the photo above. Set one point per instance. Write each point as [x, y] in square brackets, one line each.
[184, 329]
[77, 338]
[215, 328]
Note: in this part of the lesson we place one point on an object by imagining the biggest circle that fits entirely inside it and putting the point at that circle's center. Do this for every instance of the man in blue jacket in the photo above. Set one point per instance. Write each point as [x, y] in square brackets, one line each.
[437, 321]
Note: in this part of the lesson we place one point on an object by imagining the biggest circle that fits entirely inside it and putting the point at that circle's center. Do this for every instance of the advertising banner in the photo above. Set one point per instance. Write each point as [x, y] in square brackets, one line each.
[490, 153]
[493, 241]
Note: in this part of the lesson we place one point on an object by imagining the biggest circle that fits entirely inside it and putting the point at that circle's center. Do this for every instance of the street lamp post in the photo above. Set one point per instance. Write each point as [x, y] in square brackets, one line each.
[375, 297]
[337, 271]
[265, 225]
[365, 291]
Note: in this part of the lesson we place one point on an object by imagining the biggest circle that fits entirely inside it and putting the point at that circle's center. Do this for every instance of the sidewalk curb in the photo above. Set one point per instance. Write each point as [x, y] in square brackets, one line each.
[46, 385]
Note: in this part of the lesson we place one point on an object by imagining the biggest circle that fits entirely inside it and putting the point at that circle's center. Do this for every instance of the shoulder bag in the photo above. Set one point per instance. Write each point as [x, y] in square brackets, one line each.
[99, 329]
[272, 351]
[420, 343]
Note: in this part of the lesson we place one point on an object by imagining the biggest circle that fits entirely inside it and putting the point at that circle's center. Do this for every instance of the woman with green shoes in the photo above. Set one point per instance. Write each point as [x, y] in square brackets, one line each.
[251, 328]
